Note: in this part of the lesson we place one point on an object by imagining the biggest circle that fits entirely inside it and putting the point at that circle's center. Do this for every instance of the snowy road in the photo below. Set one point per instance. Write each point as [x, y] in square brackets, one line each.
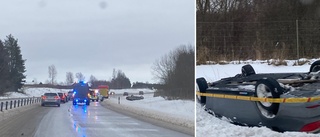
[80, 121]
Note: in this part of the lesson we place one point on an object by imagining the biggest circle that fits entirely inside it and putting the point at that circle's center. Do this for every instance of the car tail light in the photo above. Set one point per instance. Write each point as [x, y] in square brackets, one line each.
[311, 127]
[56, 97]
[43, 97]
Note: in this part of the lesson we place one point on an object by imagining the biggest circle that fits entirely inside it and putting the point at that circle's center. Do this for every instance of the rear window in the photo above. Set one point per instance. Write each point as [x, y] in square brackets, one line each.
[50, 94]
[60, 94]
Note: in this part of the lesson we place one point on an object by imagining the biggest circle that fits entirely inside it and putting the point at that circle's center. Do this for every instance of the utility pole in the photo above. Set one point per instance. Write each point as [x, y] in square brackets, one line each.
[297, 30]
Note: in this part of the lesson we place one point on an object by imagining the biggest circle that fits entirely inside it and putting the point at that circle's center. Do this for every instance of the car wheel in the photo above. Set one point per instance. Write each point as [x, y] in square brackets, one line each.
[315, 66]
[247, 70]
[58, 105]
[42, 104]
[202, 85]
[268, 88]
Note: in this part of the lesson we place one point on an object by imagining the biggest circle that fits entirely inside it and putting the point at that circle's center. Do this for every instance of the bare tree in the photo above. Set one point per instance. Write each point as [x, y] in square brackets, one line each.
[93, 79]
[52, 74]
[80, 76]
[69, 78]
[176, 72]
[163, 67]
[34, 81]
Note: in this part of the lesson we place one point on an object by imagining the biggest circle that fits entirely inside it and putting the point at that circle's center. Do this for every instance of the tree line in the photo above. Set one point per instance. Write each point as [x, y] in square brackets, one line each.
[12, 65]
[119, 79]
[257, 29]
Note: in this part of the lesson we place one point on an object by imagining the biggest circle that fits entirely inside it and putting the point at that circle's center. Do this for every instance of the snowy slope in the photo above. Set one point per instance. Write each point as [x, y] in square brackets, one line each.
[207, 125]
[180, 112]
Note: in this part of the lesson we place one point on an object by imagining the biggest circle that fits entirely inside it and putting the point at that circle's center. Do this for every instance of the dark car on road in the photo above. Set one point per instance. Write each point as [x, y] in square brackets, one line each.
[112, 93]
[125, 94]
[50, 99]
[141, 93]
[70, 95]
[81, 93]
[63, 97]
[280, 101]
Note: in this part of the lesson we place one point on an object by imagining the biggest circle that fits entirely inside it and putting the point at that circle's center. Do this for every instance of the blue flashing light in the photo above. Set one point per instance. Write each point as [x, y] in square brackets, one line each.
[82, 82]
[77, 100]
[85, 100]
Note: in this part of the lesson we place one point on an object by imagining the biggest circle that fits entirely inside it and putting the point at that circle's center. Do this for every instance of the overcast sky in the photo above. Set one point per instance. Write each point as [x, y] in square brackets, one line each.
[96, 36]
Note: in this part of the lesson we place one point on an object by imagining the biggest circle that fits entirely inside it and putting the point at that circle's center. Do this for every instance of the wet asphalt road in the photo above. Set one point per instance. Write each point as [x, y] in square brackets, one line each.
[79, 121]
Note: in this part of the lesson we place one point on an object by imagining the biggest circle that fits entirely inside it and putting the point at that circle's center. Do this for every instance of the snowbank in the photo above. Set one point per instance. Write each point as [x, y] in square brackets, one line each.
[178, 112]
[210, 126]
[216, 72]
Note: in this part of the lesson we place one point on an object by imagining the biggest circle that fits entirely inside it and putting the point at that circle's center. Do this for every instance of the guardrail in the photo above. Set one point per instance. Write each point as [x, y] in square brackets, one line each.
[6, 104]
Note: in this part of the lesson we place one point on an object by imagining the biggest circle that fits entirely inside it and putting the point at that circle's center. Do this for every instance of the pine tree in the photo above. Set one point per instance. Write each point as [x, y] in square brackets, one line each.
[16, 63]
[4, 69]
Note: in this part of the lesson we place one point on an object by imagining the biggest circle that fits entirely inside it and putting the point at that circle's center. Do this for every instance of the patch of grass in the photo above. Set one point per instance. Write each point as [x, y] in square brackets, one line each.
[301, 62]
[277, 62]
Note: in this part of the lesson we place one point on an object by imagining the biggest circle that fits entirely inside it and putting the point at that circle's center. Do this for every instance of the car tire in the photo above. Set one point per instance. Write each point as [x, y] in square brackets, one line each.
[202, 85]
[247, 70]
[268, 88]
[315, 66]
[58, 105]
[42, 104]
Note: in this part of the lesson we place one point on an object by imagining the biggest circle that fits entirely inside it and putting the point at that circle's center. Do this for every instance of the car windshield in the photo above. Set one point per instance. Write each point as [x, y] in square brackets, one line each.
[50, 94]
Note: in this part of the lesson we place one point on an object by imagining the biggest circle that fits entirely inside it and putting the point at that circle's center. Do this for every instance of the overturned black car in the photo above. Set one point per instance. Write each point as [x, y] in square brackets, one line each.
[133, 97]
[280, 101]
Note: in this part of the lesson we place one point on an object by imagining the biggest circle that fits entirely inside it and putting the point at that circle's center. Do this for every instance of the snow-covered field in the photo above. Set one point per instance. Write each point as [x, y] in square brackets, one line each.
[131, 91]
[208, 125]
[31, 92]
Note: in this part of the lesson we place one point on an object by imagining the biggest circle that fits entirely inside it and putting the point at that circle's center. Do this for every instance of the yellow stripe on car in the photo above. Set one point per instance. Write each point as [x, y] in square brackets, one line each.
[271, 100]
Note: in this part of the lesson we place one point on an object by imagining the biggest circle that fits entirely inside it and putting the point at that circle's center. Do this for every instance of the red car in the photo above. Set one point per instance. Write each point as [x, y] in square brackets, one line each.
[63, 97]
